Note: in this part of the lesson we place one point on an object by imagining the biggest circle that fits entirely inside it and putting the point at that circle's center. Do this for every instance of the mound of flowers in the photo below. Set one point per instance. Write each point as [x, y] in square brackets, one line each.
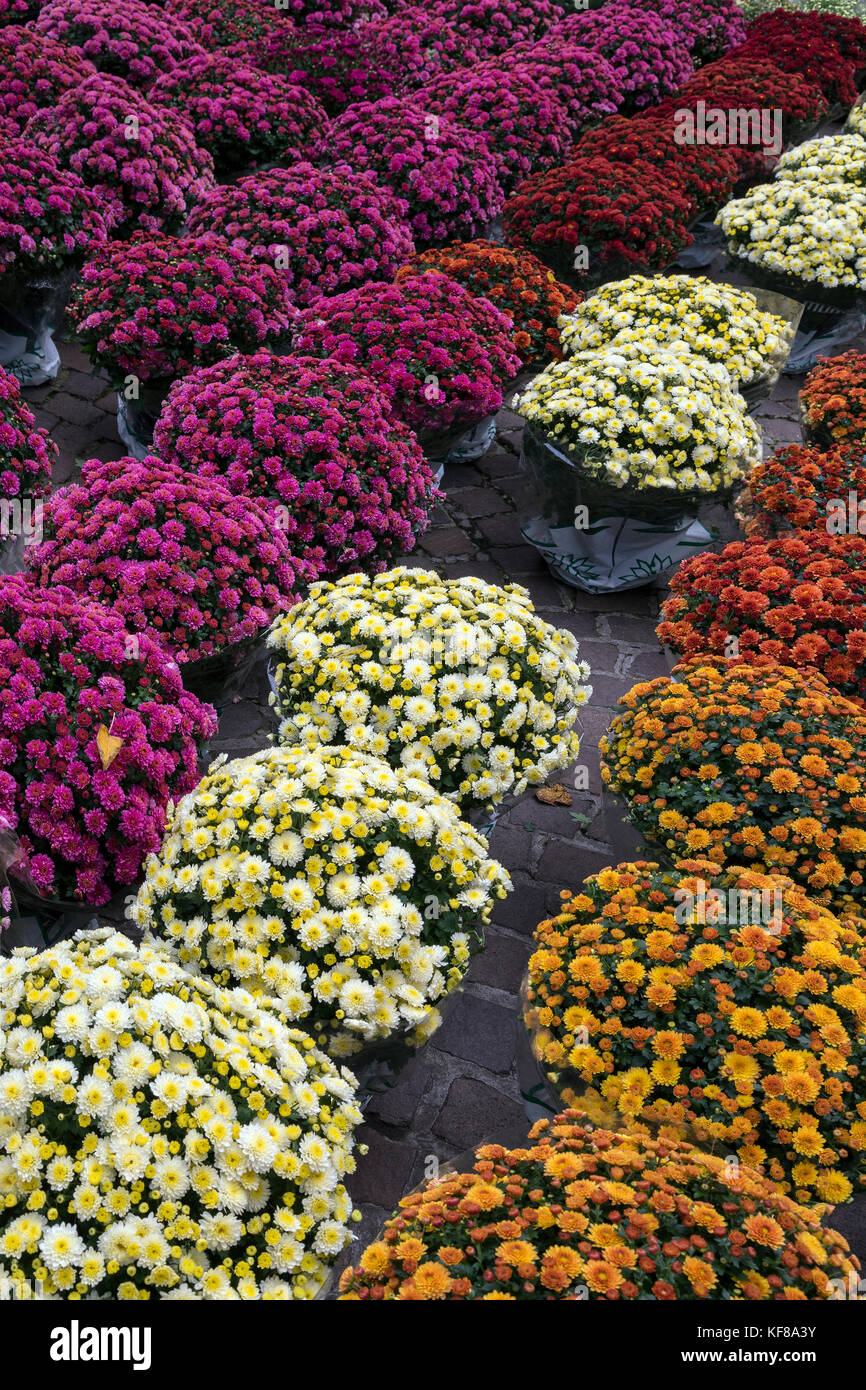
[660, 998]
[445, 174]
[86, 821]
[359, 954]
[18, 11]
[326, 230]
[798, 599]
[338, 66]
[524, 124]
[833, 159]
[515, 282]
[453, 680]
[439, 354]
[833, 402]
[582, 79]
[347, 482]
[621, 214]
[757, 83]
[27, 453]
[35, 70]
[491, 27]
[140, 160]
[173, 554]
[224, 23]
[49, 218]
[415, 44]
[704, 174]
[814, 55]
[158, 306]
[718, 322]
[164, 1138]
[241, 115]
[746, 761]
[813, 231]
[583, 1213]
[802, 489]
[127, 38]
[646, 417]
[649, 55]
[710, 27]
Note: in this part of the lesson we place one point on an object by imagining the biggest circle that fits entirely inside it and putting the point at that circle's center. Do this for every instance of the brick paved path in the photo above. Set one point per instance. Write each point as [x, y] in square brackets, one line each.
[462, 1089]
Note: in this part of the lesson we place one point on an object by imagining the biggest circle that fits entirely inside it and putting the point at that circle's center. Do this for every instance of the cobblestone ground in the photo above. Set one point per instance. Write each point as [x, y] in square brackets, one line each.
[463, 1089]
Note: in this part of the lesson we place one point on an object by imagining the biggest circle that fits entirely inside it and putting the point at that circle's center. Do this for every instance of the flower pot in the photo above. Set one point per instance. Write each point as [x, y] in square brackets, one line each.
[461, 444]
[54, 917]
[822, 306]
[30, 313]
[136, 418]
[221, 676]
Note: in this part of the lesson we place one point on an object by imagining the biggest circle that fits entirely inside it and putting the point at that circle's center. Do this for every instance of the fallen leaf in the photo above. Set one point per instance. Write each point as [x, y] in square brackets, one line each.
[109, 746]
[553, 796]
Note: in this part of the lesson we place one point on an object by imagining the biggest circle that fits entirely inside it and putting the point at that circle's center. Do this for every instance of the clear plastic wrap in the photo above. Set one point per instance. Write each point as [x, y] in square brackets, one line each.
[30, 313]
[136, 419]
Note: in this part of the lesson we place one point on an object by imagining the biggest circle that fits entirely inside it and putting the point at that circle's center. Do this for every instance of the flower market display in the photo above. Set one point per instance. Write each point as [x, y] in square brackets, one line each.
[128, 38]
[35, 70]
[173, 554]
[141, 161]
[440, 355]
[161, 1137]
[157, 306]
[833, 401]
[444, 173]
[764, 1019]
[455, 681]
[798, 599]
[242, 116]
[799, 488]
[717, 322]
[396, 345]
[27, 452]
[85, 827]
[350, 890]
[746, 761]
[347, 482]
[326, 230]
[640, 416]
[515, 282]
[585, 1213]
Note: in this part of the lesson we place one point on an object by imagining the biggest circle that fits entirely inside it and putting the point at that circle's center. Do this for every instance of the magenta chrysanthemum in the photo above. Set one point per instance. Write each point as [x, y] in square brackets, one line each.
[127, 38]
[173, 554]
[71, 668]
[27, 453]
[140, 159]
[440, 354]
[446, 174]
[324, 229]
[347, 482]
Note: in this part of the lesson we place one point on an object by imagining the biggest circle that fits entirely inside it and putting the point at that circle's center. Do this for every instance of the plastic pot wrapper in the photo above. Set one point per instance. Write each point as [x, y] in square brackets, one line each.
[783, 307]
[821, 306]
[31, 311]
[626, 537]
[136, 418]
[832, 337]
[221, 676]
[463, 444]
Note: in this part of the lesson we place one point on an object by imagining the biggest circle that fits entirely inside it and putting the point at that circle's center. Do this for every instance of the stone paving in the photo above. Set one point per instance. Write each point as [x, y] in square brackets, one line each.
[462, 1088]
